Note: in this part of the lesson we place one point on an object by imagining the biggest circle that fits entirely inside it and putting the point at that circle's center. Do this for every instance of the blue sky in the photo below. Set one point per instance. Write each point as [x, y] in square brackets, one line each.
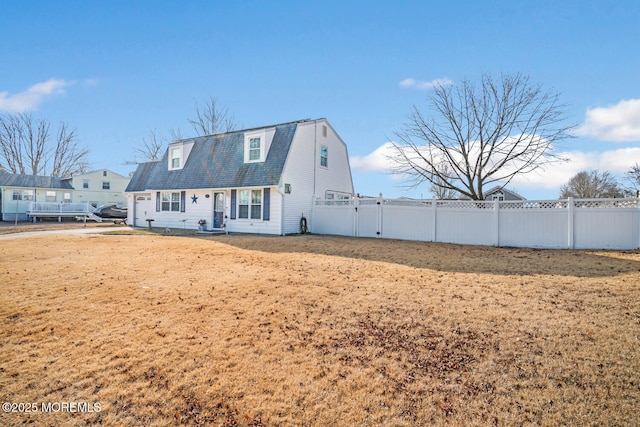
[114, 70]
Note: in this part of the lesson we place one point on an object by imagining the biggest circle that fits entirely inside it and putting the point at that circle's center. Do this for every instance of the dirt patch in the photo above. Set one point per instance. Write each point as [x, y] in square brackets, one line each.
[312, 330]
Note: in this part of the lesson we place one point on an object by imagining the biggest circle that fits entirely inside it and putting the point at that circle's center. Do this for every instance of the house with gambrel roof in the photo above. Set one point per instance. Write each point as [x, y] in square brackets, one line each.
[260, 180]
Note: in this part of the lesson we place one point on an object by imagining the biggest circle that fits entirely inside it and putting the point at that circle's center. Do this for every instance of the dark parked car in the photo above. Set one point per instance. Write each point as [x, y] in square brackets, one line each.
[111, 211]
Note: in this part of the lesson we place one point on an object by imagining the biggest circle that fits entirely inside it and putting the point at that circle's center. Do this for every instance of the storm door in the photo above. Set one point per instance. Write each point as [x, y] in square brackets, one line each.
[218, 210]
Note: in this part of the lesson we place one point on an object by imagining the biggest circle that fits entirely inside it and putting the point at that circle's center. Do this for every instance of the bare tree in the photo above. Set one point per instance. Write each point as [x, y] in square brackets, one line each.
[591, 185]
[632, 178]
[26, 147]
[485, 134]
[439, 190]
[211, 119]
[69, 158]
[152, 147]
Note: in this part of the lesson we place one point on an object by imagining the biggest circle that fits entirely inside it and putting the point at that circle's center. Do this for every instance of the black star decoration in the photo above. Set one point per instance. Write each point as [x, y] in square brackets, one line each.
[194, 199]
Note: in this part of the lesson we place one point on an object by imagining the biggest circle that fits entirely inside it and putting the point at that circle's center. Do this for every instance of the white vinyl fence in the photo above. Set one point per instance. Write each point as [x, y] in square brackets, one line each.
[568, 224]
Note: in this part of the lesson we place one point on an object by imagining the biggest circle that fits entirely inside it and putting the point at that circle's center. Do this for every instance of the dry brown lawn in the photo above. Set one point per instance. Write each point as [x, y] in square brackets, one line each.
[317, 331]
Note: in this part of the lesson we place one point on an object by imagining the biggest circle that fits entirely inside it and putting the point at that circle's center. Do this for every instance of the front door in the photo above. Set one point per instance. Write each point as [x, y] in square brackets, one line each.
[218, 210]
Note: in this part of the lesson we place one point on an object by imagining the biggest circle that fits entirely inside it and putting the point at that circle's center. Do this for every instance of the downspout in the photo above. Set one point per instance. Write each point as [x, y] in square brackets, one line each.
[315, 153]
[315, 165]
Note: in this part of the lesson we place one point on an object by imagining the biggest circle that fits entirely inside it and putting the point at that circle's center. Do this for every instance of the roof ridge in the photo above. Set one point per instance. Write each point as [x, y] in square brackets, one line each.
[248, 129]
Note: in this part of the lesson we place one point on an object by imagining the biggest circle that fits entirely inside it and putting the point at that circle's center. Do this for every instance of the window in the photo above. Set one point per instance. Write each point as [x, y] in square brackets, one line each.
[324, 131]
[51, 196]
[67, 198]
[26, 195]
[250, 204]
[324, 156]
[175, 157]
[85, 184]
[106, 185]
[104, 173]
[254, 149]
[170, 202]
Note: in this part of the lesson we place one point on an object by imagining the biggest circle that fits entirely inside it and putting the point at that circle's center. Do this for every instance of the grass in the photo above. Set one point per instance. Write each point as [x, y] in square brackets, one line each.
[313, 330]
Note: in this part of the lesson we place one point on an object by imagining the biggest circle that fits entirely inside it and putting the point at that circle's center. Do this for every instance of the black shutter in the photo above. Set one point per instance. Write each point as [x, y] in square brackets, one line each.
[266, 204]
[157, 201]
[233, 204]
[183, 200]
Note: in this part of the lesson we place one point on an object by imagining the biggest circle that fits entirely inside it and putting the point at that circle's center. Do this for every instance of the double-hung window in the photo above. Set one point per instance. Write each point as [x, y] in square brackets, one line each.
[50, 196]
[170, 202]
[175, 157]
[324, 156]
[250, 204]
[254, 149]
[106, 185]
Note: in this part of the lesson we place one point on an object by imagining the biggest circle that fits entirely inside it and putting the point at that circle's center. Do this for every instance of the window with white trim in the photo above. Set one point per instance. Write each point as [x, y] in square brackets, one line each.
[250, 204]
[170, 202]
[254, 149]
[176, 156]
[50, 196]
[85, 184]
[324, 156]
[106, 185]
[26, 195]
[66, 198]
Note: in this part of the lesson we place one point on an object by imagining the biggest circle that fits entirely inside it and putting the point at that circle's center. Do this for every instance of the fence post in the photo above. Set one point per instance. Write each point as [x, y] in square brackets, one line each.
[355, 217]
[434, 222]
[379, 216]
[570, 210]
[496, 218]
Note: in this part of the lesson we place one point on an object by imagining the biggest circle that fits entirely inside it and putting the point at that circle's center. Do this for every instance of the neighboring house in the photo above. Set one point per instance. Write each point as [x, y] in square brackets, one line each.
[99, 187]
[260, 180]
[499, 193]
[16, 191]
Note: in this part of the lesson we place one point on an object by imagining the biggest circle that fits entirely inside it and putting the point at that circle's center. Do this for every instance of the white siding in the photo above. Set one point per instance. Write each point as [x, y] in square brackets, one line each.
[305, 175]
[95, 193]
[272, 226]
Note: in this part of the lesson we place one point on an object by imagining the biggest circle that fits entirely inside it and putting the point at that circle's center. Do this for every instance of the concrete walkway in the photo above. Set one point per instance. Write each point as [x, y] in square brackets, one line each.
[73, 231]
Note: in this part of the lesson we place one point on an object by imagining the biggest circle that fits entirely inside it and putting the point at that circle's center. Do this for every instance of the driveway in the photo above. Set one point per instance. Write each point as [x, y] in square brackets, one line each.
[73, 231]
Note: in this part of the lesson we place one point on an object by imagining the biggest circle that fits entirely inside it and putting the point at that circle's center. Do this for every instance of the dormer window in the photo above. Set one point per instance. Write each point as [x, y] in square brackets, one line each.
[256, 145]
[176, 156]
[254, 149]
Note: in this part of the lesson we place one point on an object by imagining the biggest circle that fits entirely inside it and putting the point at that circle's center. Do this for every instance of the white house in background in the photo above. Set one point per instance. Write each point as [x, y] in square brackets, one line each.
[260, 180]
[16, 191]
[99, 187]
[502, 194]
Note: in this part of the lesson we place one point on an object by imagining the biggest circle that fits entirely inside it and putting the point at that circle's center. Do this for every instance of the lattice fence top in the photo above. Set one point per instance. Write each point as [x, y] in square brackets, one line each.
[407, 202]
[333, 202]
[606, 203]
[465, 204]
[540, 204]
[481, 204]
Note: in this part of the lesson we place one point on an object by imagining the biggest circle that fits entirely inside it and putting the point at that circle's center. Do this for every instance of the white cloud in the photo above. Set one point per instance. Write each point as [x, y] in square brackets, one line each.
[552, 177]
[422, 85]
[376, 161]
[620, 122]
[32, 97]
[616, 162]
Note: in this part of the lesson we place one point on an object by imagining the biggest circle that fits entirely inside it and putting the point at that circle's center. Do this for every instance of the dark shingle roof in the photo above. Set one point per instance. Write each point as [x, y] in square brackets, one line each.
[217, 161]
[33, 181]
